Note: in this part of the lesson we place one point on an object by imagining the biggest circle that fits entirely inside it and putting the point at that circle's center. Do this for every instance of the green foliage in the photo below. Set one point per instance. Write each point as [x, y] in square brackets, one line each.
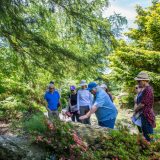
[61, 138]
[141, 54]
[147, 34]
[35, 124]
[127, 63]
[18, 98]
[157, 129]
[62, 37]
[45, 40]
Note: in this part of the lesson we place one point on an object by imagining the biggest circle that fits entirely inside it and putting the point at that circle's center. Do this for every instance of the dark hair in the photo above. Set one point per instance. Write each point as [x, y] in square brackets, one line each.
[107, 90]
[51, 82]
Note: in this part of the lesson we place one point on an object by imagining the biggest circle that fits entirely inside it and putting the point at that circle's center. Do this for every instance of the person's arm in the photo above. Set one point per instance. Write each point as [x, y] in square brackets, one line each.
[60, 104]
[45, 102]
[93, 110]
[78, 101]
[135, 103]
[145, 99]
[135, 106]
[59, 101]
[98, 102]
[69, 103]
[69, 100]
[91, 100]
[138, 107]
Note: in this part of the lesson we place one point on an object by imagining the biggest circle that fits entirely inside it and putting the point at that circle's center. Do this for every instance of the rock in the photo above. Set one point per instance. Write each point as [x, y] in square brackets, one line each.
[19, 148]
[90, 133]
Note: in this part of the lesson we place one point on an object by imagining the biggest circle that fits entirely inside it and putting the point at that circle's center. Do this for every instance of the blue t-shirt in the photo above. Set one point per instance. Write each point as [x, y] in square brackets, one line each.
[106, 110]
[52, 99]
[139, 97]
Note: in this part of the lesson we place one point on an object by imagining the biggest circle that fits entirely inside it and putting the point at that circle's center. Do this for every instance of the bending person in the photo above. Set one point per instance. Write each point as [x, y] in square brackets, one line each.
[103, 107]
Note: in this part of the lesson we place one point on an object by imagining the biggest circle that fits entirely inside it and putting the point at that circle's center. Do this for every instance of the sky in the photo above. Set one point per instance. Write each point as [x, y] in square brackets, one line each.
[126, 8]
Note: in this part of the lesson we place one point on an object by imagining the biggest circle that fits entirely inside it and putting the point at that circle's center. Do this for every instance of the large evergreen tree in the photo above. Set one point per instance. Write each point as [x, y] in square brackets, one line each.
[143, 53]
[60, 36]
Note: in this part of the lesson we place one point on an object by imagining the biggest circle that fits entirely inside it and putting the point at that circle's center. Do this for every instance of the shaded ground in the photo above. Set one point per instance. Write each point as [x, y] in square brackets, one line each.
[4, 128]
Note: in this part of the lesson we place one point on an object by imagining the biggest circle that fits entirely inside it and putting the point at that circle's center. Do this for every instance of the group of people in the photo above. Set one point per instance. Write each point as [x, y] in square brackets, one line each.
[92, 98]
[89, 99]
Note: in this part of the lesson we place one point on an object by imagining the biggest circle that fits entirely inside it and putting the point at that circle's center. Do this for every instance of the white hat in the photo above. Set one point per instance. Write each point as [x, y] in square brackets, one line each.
[50, 85]
[103, 86]
[142, 76]
[83, 83]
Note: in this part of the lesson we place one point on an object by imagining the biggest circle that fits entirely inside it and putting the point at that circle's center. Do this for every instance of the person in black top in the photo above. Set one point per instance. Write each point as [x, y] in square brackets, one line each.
[72, 102]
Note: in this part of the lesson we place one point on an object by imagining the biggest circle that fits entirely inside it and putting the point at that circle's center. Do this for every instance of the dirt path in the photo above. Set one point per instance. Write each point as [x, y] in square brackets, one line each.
[4, 128]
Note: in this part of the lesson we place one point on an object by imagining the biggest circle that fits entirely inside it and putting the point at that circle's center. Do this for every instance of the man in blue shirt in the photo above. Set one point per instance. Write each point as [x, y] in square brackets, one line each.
[103, 107]
[52, 98]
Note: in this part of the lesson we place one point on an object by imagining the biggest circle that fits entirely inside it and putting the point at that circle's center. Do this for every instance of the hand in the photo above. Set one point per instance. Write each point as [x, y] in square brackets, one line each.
[78, 112]
[69, 114]
[135, 106]
[83, 117]
[136, 110]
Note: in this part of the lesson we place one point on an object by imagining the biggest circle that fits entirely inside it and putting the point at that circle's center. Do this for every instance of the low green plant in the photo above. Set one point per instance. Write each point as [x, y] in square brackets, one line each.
[60, 138]
[36, 124]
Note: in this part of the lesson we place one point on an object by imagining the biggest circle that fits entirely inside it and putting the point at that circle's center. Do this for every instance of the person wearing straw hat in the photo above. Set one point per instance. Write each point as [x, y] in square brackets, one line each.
[146, 105]
[103, 107]
[84, 101]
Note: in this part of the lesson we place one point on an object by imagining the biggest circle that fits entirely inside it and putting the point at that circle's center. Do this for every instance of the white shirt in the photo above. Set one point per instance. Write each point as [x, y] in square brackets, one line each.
[84, 98]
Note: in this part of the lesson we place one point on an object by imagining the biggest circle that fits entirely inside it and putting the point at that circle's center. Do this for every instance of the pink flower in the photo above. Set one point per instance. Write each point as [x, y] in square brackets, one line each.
[39, 138]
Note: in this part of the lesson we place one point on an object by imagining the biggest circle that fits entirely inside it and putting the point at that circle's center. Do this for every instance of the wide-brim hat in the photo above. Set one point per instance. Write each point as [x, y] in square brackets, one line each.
[142, 76]
[83, 83]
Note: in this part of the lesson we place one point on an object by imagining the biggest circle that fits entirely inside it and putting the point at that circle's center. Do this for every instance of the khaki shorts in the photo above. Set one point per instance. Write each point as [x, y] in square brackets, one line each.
[53, 114]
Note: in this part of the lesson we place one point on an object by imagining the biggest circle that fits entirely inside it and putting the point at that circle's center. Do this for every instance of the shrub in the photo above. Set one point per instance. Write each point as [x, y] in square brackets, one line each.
[60, 138]
[36, 124]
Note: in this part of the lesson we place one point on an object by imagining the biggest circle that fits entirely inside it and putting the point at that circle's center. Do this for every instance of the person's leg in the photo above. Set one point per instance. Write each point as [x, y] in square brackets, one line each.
[55, 114]
[73, 117]
[83, 111]
[77, 116]
[108, 123]
[139, 129]
[87, 121]
[147, 129]
[50, 116]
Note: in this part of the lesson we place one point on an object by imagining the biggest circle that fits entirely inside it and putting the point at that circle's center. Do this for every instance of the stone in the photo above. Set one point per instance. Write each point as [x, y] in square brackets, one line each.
[19, 148]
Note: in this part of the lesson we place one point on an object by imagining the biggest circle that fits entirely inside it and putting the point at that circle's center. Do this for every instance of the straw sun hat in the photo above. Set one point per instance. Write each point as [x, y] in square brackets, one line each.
[142, 76]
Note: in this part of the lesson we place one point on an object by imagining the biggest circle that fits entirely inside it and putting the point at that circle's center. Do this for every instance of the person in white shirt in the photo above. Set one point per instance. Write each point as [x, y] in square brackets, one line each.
[84, 101]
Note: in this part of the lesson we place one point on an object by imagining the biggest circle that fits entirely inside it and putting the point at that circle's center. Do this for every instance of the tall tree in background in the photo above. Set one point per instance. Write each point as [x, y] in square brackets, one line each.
[143, 53]
[62, 37]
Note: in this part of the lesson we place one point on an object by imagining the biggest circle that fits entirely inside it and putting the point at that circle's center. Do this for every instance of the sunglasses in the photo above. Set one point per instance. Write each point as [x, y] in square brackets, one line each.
[138, 87]
[51, 88]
